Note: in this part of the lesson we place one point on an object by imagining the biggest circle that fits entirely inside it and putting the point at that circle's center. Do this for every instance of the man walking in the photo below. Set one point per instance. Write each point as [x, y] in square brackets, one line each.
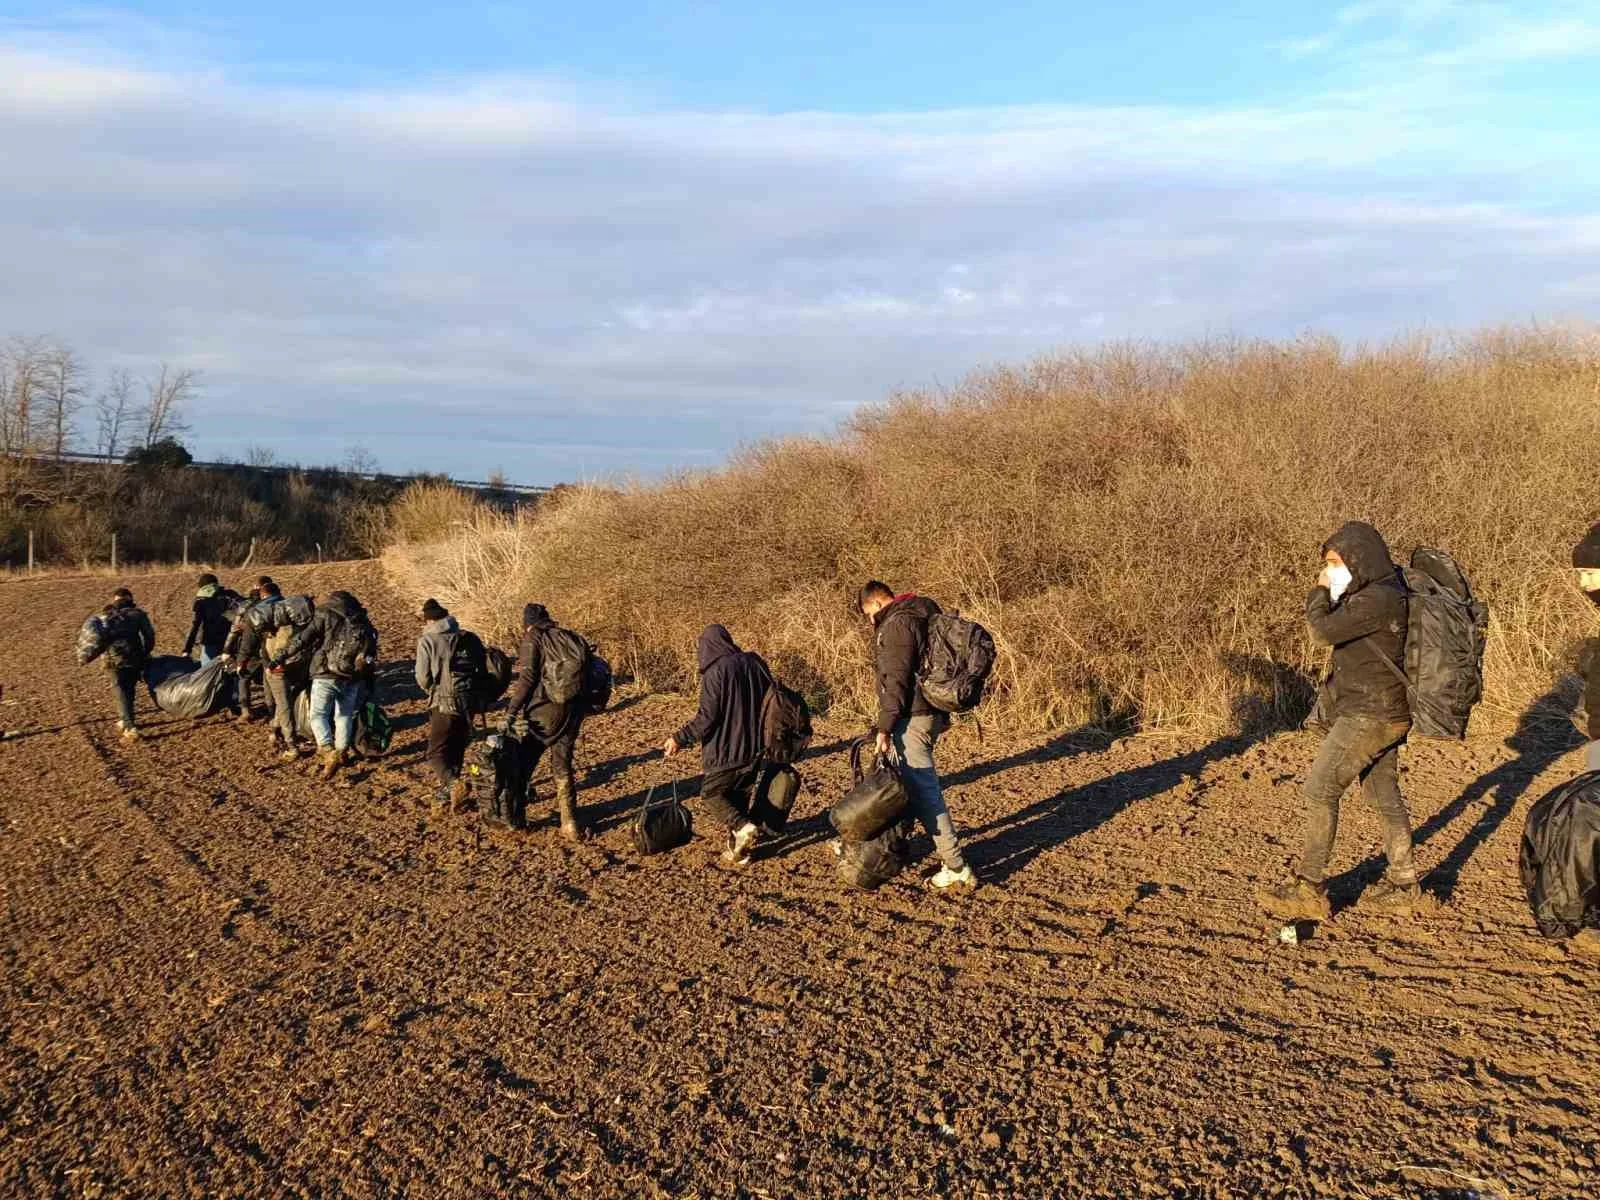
[210, 626]
[733, 684]
[1358, 607]
[907, 725]
[130, 639]
[443, 673]
[342, 646]
[537, 721]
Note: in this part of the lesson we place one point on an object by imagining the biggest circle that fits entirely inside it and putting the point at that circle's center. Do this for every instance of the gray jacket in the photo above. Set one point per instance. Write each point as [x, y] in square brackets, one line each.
[433, 663]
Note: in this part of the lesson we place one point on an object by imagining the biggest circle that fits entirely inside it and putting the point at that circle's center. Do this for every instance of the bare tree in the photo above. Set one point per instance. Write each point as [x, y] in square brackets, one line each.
[62, 377]
[259, 456]
[114, 411]
[360, 461]
[166, 395]
[25, 366]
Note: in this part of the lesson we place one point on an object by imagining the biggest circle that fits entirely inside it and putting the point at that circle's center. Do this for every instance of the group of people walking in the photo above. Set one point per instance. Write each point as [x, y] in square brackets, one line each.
[1360, 607]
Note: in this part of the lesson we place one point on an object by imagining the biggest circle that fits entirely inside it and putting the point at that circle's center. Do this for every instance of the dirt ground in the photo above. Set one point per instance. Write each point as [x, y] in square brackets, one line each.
[222, 978]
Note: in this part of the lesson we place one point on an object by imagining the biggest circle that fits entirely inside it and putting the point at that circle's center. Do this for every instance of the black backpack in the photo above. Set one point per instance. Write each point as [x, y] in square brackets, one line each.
[123, 645]
[467, 671]
[597, 683]
[1560, 858]
[293, 610]
[1446, 629]
[352, 646]
[956, 660]
[785, 722]
[565, 655]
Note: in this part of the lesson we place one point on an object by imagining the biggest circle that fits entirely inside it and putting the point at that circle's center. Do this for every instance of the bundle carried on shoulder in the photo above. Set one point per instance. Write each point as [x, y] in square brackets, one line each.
[114, 634]
[91, 640]
[876, 799]
[1560, 858]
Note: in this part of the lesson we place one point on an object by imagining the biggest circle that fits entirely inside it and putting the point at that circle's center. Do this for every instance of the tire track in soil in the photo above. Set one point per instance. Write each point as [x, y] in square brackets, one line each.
[225, 978]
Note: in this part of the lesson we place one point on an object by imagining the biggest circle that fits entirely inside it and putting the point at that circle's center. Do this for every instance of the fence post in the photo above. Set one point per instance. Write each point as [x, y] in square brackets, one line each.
[30, 552]
[113, 554]
[319, 552]
[186, 552]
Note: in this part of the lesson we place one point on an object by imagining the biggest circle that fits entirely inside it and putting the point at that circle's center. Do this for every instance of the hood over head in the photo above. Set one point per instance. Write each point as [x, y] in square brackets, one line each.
[1364, 551]
[715, 643]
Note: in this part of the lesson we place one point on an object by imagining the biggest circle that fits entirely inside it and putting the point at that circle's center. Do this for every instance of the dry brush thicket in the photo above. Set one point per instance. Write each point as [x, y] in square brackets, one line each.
[1138, 526]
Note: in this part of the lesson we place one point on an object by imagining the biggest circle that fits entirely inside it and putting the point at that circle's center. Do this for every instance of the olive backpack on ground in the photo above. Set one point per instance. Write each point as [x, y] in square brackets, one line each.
[875, 800]
[775, 796]
[490, 768]
[663, 824]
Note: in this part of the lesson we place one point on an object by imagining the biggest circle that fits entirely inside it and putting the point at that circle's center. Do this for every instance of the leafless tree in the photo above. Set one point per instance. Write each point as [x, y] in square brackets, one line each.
[62, 377]
[24, 358]
[166, 395]
[360, 461]
[114, 410]
[259, 456]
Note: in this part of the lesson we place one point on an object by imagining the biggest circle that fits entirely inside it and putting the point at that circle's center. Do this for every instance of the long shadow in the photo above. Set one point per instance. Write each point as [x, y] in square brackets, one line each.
[1544, 733]
[1276, 696]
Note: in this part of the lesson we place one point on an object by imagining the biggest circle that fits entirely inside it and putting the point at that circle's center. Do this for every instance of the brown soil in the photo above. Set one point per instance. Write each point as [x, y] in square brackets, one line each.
[224, 978]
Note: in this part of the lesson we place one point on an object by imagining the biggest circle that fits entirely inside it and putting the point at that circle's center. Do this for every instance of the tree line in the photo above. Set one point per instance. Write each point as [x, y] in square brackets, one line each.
[47, 390]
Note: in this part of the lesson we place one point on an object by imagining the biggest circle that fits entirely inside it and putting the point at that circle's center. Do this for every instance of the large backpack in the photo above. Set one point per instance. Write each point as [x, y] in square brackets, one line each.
[1560, 858]
[565, 655]
[465, 670]
[123, 645]
[293, 610]
[785, 722]
[1446, 629]
[956, 660]
[352, 646]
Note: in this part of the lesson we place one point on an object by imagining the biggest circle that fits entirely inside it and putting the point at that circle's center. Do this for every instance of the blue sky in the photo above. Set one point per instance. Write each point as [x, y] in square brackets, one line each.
[584, 240]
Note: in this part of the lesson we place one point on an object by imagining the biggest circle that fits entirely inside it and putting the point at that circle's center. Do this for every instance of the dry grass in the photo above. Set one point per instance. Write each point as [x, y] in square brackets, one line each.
[1137, 527]
[428, 512]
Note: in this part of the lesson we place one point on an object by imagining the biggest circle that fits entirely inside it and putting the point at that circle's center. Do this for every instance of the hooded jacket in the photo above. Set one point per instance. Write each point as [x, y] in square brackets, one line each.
[1370, 618]
[313, 639]
[526, 701]
[211, 625]
[899, 639]
[733, 687]
[434, 648]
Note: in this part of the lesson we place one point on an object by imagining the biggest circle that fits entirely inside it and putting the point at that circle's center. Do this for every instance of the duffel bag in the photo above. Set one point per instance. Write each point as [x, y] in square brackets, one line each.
[876, 799]
[663, 824]
[868, 865]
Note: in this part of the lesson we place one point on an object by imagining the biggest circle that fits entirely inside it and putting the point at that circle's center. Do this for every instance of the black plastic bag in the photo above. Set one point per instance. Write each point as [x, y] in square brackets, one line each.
[1560, 859]
[163, 667]
[197, 692]
[775, 797]
[662, 825]
[876, 799]
[868, 865]
[91, 640]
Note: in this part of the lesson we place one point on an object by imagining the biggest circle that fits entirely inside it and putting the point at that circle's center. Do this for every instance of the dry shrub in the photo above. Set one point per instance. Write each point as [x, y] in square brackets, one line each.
[1138, 527]
[425, 512]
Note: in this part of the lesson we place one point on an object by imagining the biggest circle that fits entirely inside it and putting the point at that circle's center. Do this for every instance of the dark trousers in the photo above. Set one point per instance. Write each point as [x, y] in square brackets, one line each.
[728, 794]
[1365, 749]
[448, 735]
[125, 682]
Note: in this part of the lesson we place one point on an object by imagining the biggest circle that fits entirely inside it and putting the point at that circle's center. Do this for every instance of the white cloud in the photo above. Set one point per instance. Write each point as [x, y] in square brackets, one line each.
[434, 272]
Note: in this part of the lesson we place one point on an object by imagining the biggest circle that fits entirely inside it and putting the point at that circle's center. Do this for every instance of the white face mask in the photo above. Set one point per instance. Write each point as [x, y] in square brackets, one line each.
[1339, 579]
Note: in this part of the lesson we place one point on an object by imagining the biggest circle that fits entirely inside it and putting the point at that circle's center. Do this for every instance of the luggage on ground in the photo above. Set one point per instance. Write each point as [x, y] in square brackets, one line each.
[785, 722]
[775, 797]
[956, 661]
[867, 865]
[565, 655]
[876, 799]
[663, 824]
[1560, 859]
[374, 730]
[490, 769]
[195, 693]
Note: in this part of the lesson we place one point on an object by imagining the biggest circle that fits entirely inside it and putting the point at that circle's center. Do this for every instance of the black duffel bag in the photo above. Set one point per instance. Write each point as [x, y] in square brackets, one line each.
[875, 800]
[662, 825]
[775, 797]
[867, 866]
[1560, 858]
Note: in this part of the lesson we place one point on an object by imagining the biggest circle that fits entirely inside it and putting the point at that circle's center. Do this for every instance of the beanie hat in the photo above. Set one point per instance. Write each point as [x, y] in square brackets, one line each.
[533, 615]
[1586, 554]
[432, 610]
[208, 580]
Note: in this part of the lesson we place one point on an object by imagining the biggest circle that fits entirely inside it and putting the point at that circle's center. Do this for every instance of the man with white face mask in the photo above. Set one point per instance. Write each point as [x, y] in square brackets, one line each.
[1359, 608]
[1586, 562]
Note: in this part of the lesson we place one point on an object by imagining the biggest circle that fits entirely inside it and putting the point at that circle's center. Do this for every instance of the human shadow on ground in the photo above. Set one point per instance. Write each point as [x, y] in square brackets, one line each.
[1544, 733]
[1274, 697]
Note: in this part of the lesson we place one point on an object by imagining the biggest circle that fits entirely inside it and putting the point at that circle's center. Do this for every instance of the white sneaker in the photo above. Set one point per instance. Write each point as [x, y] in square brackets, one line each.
[739, 842]
[946, 878]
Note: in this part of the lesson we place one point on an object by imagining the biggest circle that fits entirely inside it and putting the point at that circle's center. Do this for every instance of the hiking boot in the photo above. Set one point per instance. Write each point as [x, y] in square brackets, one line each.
[458, 795]
[130, 733]
[567, 810]
[740, 842]
[331, 761]
[1386, 896]
[1297, 900]
[948, 878]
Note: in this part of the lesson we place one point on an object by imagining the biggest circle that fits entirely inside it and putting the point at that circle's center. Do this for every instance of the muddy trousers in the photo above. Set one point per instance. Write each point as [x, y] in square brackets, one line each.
[914, 739]
[529, 751]
[125, 683]
[1365, 749]
[284, 688]
[728, 794]
[448, 735]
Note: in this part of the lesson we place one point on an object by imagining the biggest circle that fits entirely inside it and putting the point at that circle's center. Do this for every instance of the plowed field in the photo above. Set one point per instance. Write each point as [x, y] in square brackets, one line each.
[224, 978]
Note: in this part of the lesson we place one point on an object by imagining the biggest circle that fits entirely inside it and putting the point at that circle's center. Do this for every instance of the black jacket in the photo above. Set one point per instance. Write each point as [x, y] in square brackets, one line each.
[900, 637]
[314, 637]
[1370, 617]
[526, 701]
[244, 639]
[140, 640]
[211, 625]
[1589, 669]
[733, 686]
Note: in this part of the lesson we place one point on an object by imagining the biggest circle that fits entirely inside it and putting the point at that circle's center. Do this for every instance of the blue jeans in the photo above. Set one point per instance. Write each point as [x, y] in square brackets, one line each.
[334, 703]
[914, 739]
